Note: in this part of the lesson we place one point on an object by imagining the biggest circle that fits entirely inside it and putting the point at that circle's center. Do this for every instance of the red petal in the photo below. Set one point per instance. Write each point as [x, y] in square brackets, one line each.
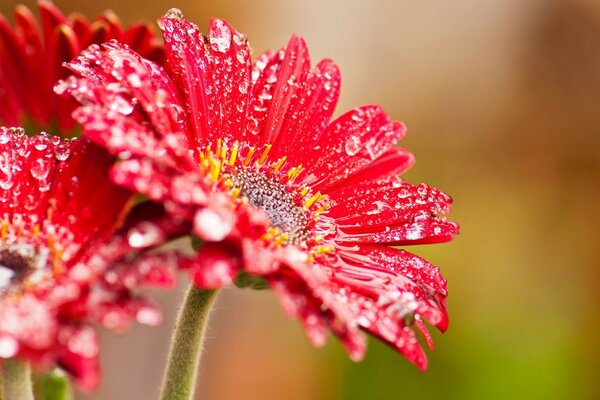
[384, 203]
[82, 29]
[228, 82]
[51, 17]
[390, 165]
[187, 63]
[216, 265]
[351, 142]
[78, 355]
[264, 80]
[290, 77]
[309, 113]
[424, 229]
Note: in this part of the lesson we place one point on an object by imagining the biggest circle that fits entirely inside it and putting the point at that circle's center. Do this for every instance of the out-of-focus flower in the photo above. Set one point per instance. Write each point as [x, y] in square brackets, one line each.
[31, 58]
[67, 254]
[248, 155]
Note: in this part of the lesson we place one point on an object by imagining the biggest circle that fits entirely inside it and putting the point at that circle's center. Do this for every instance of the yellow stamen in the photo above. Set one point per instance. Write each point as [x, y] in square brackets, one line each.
[321, 209]
[215, 170]
[218, 147]
[324, 249]
[251, 151]
[264, 155]
[279, 164]
[235, 193]
[4, 229]
[234, 152]
[304, 191]
[281, 239]
[56, 262]
[293, 173]
[312, 200]
[271, 233]
[36, 231]
[203, 162]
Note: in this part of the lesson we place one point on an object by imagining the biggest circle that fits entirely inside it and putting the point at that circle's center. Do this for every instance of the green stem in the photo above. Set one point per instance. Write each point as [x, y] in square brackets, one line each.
[179, 382]
[16, 380]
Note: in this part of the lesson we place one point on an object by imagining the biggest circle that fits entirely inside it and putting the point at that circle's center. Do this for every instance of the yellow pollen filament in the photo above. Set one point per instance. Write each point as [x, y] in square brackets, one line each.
[219, 143]
[293, 173]
[215, 170]
[51, 241]
[56, 262]
[228, 183]
[322, 208]
[264, 155]
[304, 191]
[235, 193]
[279, 164]
[281, 239]
[203, 162]
[312, 200]
[324, 249]
[223, 154]
[36, 231]
[251, 151]
[319, 238]
[51, 209]
[4, 229]
[233, 156]
[271, 233]
[322, 197]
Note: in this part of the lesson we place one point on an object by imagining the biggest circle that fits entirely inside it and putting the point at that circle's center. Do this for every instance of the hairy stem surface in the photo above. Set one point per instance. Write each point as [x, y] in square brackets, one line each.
[179, 382]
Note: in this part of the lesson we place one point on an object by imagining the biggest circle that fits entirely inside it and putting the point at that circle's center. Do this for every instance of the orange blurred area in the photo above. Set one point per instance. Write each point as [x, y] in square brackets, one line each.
[502, 103]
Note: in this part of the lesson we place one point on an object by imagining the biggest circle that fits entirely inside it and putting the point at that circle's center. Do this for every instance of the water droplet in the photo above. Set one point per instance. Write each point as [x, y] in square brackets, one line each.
[220, 39]
[40, 169]
[174, 13]
[62, 152]
[4, 136]
[210, 225]
[8, 347]
[144, 235]
[352, 145]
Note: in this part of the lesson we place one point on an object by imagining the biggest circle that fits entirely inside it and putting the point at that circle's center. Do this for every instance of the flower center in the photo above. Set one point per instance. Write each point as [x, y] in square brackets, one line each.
[14, 268]
[275, 200]
[252, 176]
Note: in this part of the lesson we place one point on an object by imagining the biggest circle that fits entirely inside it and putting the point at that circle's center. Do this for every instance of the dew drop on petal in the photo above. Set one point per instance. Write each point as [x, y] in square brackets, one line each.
[8, 347]
[220, 41]
[352, 145]
[174, 13]
[40, 169]
[144, 235]
[210, 225]
[62, 152]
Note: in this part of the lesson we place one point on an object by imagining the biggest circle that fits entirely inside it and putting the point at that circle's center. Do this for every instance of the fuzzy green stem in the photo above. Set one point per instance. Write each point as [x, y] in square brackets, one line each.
[179, 382]
[16, 381]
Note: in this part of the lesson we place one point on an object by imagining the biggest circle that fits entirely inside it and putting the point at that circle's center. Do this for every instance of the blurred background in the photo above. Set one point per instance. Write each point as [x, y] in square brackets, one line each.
[501, 100]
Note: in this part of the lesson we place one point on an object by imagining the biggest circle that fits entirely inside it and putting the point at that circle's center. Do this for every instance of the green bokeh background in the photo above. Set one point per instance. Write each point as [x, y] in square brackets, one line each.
[501, 99]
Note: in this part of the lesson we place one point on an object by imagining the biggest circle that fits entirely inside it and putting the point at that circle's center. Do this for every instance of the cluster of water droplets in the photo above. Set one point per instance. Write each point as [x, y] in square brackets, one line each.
[22, 156]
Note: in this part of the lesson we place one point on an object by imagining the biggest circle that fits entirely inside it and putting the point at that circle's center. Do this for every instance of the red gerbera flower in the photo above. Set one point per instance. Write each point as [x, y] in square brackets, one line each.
[247, 153]
[31, 59]
[58, 219]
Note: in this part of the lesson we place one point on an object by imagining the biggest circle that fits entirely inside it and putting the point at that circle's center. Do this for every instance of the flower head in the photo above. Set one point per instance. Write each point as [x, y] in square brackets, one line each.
[248, 155]
[66, 253]
[31, 58]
